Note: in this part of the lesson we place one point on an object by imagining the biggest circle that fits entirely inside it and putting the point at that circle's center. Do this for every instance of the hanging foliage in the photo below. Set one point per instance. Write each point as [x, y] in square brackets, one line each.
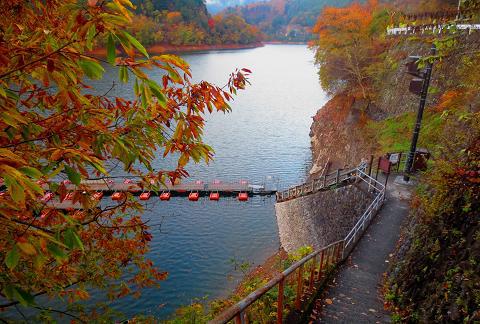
[53, 127]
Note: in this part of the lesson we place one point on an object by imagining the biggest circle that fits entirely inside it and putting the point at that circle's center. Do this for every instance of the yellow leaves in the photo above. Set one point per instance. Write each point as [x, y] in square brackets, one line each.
[12, 118]
[27, 248]
[183, 160]
[178, 134]
[118, 6]
[329, 301]
[16, 183]
[13, 158]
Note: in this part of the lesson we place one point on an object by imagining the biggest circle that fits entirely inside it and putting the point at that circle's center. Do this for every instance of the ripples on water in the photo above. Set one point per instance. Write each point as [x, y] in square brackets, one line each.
[266, 135]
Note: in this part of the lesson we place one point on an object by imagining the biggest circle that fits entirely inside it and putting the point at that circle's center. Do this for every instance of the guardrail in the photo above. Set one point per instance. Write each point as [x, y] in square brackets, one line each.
[317, 263]
[432, 28]
[315, 185]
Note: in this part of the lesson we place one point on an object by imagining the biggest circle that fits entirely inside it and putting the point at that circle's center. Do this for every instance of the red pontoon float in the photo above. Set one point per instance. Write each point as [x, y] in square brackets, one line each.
[165, 195]
[145, 195]
[193, 196]
[117, 196]
[243, 196]
[214, 196]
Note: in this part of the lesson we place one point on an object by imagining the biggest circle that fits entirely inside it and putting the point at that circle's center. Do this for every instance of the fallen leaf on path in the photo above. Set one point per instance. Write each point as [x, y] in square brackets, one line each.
[329, 301]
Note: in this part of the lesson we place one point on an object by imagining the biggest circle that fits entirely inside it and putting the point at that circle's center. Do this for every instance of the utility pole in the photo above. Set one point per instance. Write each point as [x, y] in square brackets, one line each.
[423, 98]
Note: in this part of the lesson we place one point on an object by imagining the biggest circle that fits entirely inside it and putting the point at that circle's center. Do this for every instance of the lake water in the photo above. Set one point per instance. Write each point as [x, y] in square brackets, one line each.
[265, 137]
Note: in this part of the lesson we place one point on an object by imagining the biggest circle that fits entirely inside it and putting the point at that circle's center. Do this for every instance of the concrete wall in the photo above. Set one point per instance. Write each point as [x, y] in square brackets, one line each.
[320, 218]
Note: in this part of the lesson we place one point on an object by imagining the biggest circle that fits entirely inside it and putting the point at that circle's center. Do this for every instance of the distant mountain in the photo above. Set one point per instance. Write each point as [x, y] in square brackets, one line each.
[284, 20]
[215, 6]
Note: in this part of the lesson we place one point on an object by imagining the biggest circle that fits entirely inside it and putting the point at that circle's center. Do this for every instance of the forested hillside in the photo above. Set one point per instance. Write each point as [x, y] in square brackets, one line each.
[434, 275]
[285, 20]
[187, 23]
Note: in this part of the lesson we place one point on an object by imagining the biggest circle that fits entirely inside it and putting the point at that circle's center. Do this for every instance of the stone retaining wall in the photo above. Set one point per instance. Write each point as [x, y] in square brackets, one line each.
[321, 218]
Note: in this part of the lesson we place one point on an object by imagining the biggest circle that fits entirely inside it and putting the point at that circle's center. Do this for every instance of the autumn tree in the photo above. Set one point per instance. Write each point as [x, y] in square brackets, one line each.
[53, 129]
[347, 46]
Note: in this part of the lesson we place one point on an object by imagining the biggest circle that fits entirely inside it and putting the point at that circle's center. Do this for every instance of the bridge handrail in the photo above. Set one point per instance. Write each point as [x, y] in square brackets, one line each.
[340, 252]
[315, 184]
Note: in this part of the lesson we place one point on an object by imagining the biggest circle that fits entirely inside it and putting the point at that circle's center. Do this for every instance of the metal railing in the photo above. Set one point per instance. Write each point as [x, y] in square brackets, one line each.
[315, 185]
[432, 28]
[322, 260]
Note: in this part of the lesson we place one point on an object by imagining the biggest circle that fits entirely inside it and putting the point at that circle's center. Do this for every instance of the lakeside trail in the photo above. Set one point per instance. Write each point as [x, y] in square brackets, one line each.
[354, 295]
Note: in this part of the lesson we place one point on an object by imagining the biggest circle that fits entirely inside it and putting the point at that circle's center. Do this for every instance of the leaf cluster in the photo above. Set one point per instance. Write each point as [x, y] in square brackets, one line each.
[56, 133]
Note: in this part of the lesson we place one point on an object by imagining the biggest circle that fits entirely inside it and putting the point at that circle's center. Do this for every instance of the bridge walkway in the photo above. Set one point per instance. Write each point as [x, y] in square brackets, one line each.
[354, 295]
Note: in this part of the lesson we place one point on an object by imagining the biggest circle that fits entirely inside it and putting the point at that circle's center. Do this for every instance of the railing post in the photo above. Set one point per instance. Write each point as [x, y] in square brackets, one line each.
[238, 318]
[320, 269]
[339, 251]
[337, 179]
[324, 181]
[299, 288]
[370, 166]
[312, 273]
[329, 256]
[378, 167]
[399, 161]
[281, 285]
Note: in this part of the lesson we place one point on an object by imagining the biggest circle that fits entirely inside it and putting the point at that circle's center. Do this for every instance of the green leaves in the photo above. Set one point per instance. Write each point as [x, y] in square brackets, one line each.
[72, 240]
[56, 251]
[12, 258]
[92, 31]
[157, 92]
[73, 175]
[14, 188]
[31, 171]
[92, 69]
[136, 43]
[18, 294]
[111, 49]
[123, 74]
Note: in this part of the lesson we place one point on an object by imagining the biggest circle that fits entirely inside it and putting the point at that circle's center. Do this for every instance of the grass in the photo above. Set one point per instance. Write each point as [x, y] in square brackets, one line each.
[395, 134]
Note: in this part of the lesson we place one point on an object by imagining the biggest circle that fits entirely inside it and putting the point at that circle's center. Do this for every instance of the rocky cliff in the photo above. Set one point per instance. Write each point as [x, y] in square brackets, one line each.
[339, 133]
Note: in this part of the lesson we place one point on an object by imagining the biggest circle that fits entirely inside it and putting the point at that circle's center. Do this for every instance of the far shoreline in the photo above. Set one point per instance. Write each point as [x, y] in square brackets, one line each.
[168, 48]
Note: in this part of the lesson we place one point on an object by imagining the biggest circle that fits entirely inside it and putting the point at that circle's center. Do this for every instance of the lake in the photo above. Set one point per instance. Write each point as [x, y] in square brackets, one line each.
[264, 138]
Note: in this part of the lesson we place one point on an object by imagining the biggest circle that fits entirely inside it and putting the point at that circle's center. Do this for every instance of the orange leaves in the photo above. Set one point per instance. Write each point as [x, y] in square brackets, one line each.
[56, 127]
[449, 100]
[347, 47]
